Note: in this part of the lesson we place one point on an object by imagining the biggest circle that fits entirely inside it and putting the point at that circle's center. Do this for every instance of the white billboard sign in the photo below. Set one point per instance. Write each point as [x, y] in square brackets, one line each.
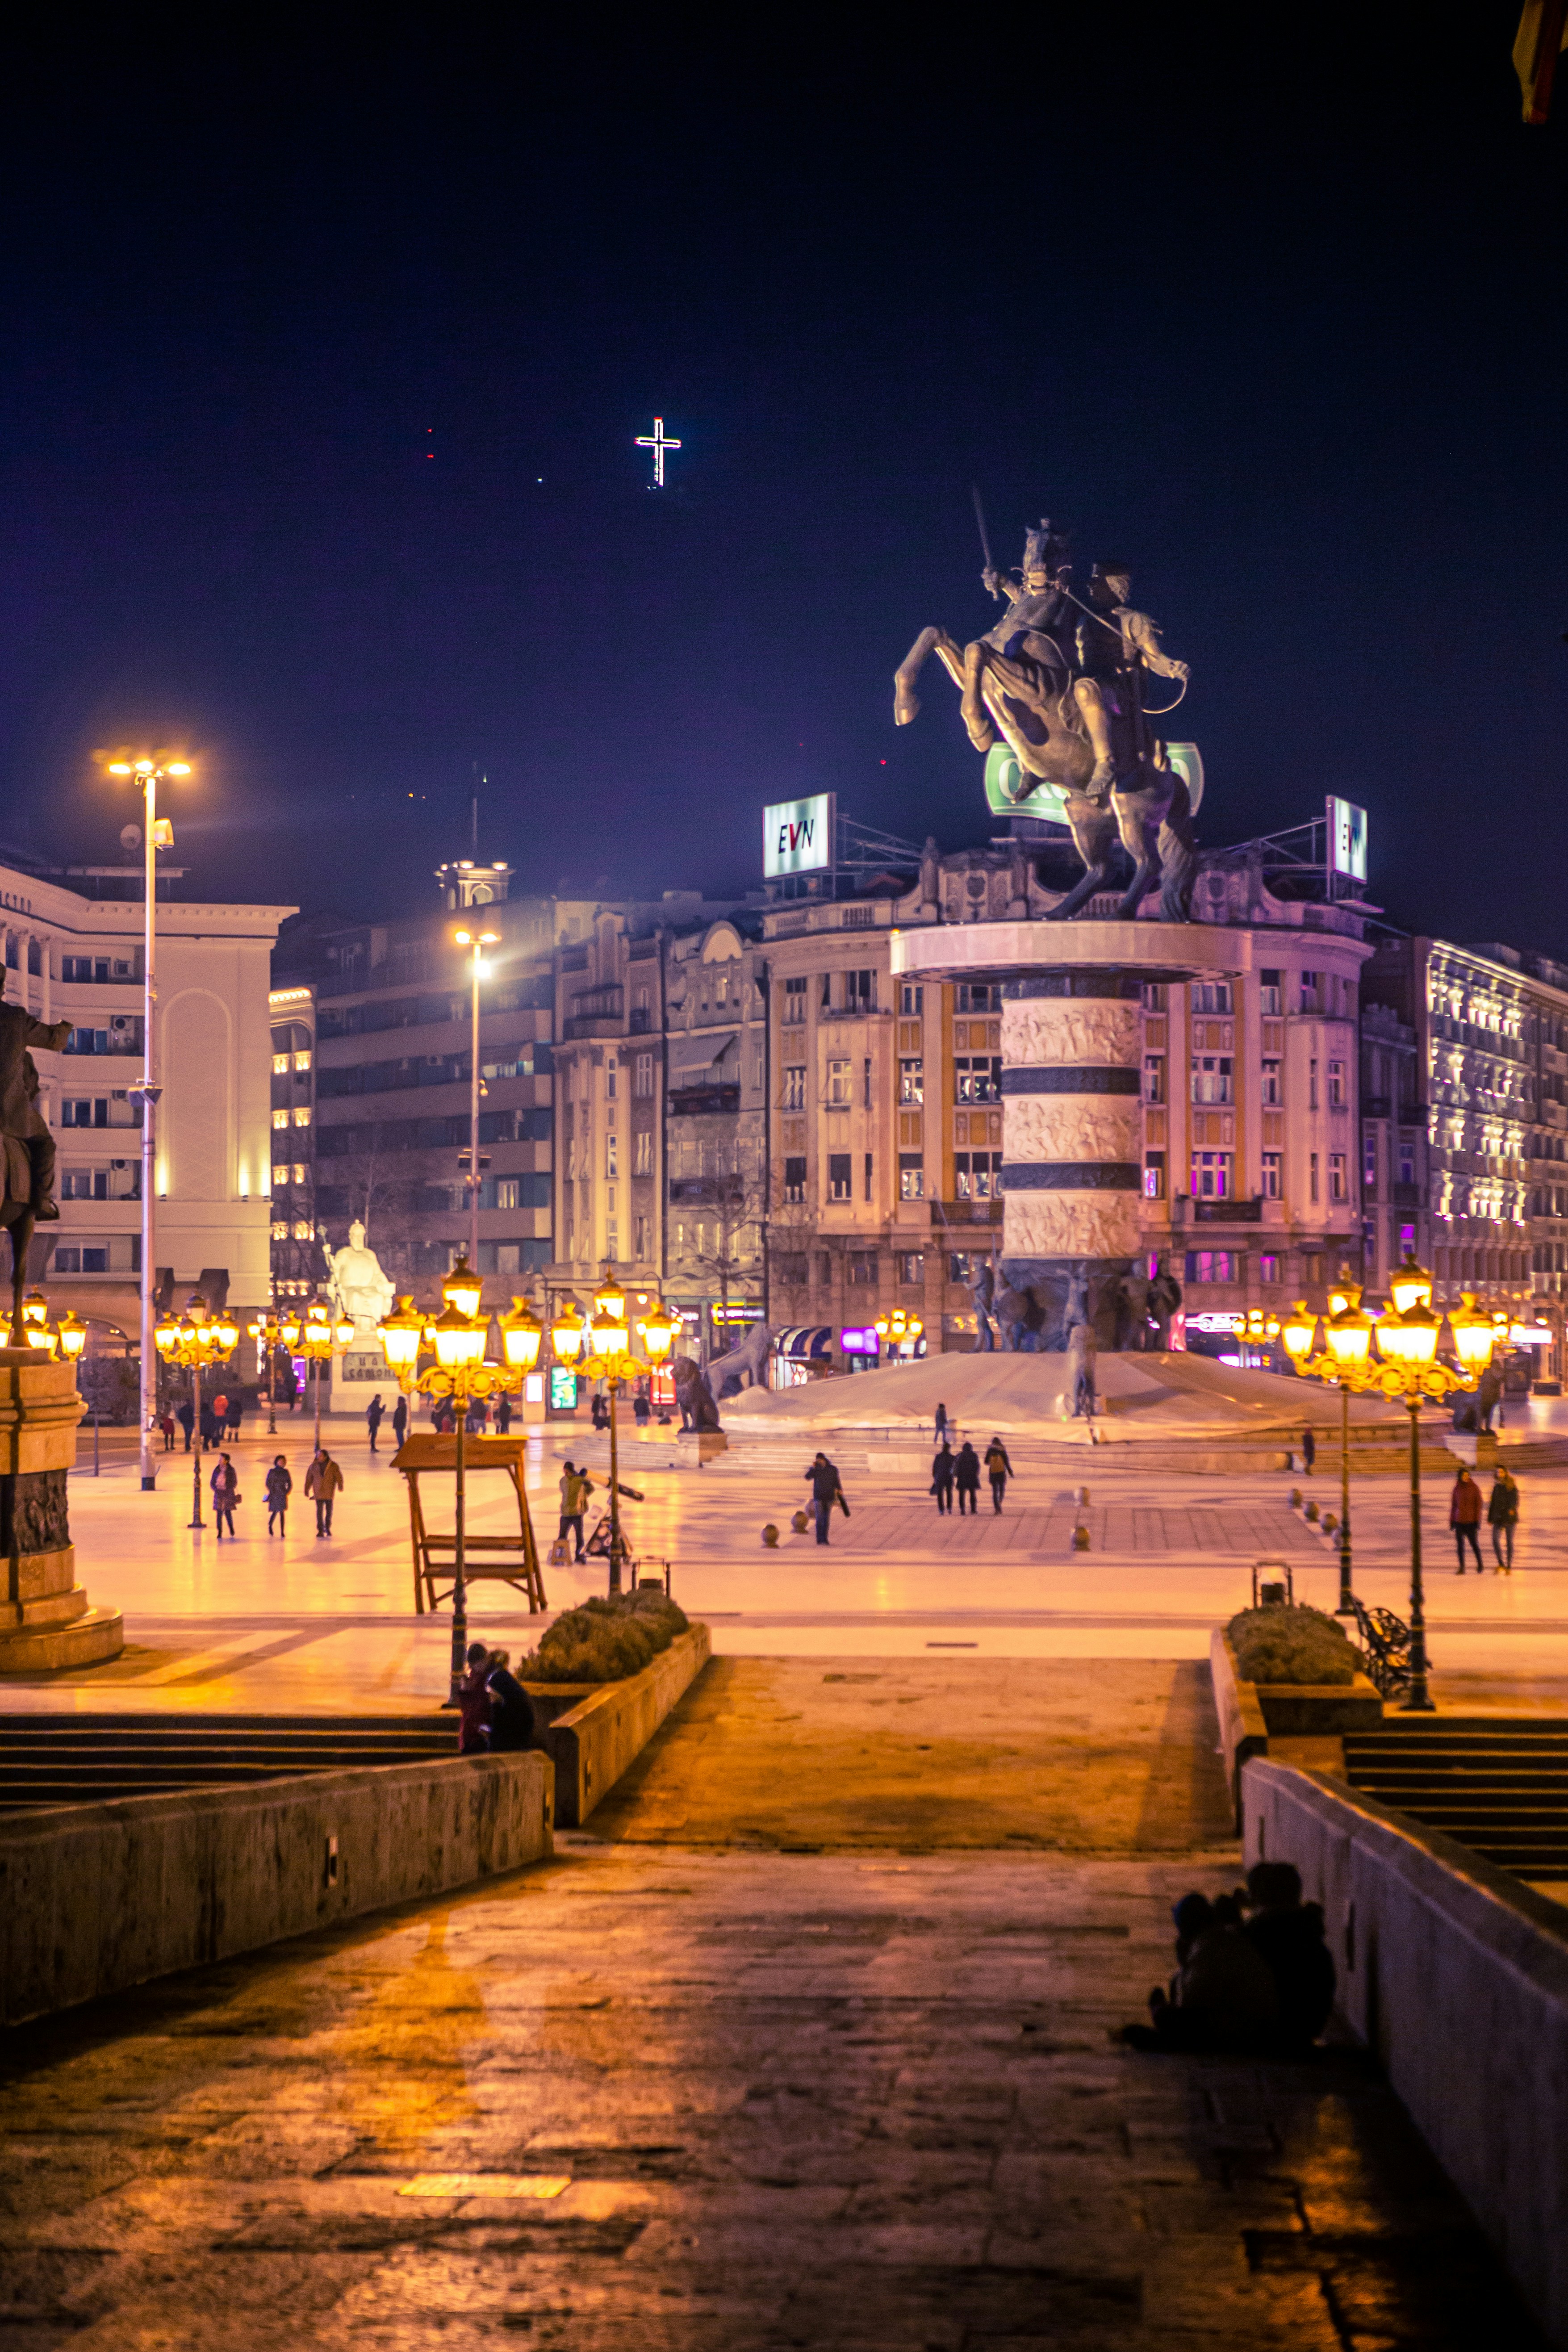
[1347, 839]
[797, 836]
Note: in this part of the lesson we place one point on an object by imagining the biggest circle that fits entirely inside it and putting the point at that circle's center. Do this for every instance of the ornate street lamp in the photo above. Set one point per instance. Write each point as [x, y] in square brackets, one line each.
[616, 1361]
[456, 1336]
[198, 1340]
[898, 1329]
[1405, 1367]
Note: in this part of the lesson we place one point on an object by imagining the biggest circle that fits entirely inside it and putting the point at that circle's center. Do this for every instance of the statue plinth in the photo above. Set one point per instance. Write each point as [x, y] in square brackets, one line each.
[46, 1618]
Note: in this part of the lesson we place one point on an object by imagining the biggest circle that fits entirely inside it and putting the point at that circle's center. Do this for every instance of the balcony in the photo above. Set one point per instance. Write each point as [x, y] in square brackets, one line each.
[1228, 1213]
[967, 1212]
[1376, 1106]
[692, 1102]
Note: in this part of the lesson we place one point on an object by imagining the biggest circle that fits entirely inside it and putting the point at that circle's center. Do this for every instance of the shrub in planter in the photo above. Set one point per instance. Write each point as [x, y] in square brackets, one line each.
[1291, 1645]
[605, 1641]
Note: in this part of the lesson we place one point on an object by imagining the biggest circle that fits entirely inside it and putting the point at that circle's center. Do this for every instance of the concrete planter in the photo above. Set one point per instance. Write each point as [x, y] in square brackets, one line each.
[1249, 1712]
[604, 1727]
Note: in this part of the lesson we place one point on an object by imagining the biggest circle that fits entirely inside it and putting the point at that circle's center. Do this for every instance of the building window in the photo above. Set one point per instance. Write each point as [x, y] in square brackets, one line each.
[81, 1261]
[911, 997]
[839, 1181]
[860, 1269]
[911, 1176]
[1313, 1177]
[1312, 1085]
[859, 992]
[610, 1076]
[1153, 1175]
[642, 1145]
[302, 1229]
[794, 1002]
[1273, 1175]
[280, 1118]
[795, 1181]
[610, 1154]
[642, 1237]
[865, 1087]
[302, 1115]
[1271, 991]
[977, 1077]
[1309, 992]
[794, 1086]
[1211, 1176]
[1153, 1078]
[1407, 1163]
[911, 1268]
[1368, 1163]
[279, 1229]
[975, 1174]
[971, 996]
[1269, 1267]
[1273, 1084]
[1336, 1086]
[1156, 995]
[302, 1058]
[1338, 1189]
[642, 1077]
[279, 1066]
[1212, 1078]
[507, 1193]
[1211, 996]
[912, 1082]
[790, 1269]
[1213, 1266]
[838, 1085]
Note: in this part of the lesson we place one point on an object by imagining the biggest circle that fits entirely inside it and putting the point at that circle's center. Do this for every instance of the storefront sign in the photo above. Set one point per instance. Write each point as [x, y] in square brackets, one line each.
[860, 1343]
[1347, 839]
[797, 836]
[562, 1389]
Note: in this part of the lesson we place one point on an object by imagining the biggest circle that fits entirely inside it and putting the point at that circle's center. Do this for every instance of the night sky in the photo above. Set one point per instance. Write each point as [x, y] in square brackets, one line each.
[324, 356]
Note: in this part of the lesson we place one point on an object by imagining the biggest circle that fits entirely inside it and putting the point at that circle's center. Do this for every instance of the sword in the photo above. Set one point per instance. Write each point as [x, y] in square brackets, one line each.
[979, 519]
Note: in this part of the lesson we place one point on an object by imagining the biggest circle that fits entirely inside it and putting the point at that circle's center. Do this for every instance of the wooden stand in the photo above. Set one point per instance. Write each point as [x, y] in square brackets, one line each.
[505, 1560]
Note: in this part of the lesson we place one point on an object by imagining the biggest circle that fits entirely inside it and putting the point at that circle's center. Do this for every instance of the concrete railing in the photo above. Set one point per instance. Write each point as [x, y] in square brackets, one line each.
[1456, 1975]
[97, 1897]
[595, 1740]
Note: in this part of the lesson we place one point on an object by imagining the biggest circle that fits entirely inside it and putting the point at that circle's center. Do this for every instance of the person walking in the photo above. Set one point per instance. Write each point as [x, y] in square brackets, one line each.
[187, 1417]
[323, 1481]
[825, 1490]
[503, 1412]
[1465, 1518]
[400, 1418]
[943, 1426]
[225, 1483]
[166, 1424]
[998, 1469]
[279, 1487]
[211, 1428]
[1502, 1517]
[235, 1414]
[575, 1488]
[373, 1417]
[966, 1477]
[1309, 1448]
[942, 1470]
[641, 1408]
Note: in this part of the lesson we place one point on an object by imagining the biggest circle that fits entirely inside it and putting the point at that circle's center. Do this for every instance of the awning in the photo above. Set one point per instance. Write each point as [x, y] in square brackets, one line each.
[693, 1056]
[805, 1342]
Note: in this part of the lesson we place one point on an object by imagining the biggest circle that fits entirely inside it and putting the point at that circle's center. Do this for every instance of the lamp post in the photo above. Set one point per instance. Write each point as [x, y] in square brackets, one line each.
[458, 1336]
[318, 1336]
[1349, 1334]
[616, 1362]
[1405, 1367]
[479, 942]
[269, 1332]
[157, 833]
[198, 1340]
[898, 1330]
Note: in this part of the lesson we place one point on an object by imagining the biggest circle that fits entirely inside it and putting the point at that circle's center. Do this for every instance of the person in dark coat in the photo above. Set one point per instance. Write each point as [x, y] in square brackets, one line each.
[1465, 1518]
[212, 1428]
[1309, 1448]
[474, 1704]
[504, 1412]
[998, 1469]
[825, 1490]
[400, 1418]
[941, 1472]
[373, 1413]
[511, 1712]
[1502, 1517]
[187, 1417]
[279, 1487]
[226, 1493]
[966, 1477]
[235, 1414]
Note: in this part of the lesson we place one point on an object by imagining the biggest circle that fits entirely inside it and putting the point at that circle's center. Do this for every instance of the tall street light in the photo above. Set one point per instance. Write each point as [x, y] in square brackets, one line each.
[1349, 1334]
[1405, 1368]
[157, 833]
[479, 942]
[318, 1337]
[457, 1338]
[200, 1339]
[609, 1342]
[271, 1331]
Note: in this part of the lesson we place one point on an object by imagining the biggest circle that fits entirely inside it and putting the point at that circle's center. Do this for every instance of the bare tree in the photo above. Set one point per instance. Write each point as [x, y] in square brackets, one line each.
[731, 1209]
[792, 1230]
[383, 1194]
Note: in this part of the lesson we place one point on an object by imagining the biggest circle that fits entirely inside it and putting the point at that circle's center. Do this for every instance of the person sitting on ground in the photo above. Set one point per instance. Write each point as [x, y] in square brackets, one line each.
[512, 1711]
[1222, 1996]
[1289, 1934]
[966, 1477]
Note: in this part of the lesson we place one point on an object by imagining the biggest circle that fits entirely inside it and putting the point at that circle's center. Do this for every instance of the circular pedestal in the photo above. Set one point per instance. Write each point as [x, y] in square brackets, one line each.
[98, 1633]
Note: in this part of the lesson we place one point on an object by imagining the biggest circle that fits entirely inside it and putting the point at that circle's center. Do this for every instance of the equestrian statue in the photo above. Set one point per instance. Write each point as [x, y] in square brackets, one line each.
[1060, 680]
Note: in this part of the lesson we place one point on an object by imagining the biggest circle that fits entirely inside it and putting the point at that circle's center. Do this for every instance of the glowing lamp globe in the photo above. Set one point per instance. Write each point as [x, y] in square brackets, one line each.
[36, 1310]
[227, 1334]
[610, 1300]
[522, 1336]
[607, 1338]
[1350, 1337]
[463, 1289]
[289, 1330]
[1298, 1331]
[660, 1331]
[400, 1333]
[1410, 1338]
[343, 1330]
[40, 1336]
[1411, 1287]
[459, 1341]
[1475, 1334]
[568, 1332]
[73, 1336]
[166, 1336]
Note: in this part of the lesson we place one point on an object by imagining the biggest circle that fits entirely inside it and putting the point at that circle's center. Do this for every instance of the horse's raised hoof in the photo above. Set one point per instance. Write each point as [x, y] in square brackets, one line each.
[906, 705]
[46, 1212]
[1101, 781]
[981, 733]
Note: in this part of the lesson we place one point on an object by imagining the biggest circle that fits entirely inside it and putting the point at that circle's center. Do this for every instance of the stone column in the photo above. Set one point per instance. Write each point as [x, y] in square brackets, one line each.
[46, 1618]
[1072, 1137]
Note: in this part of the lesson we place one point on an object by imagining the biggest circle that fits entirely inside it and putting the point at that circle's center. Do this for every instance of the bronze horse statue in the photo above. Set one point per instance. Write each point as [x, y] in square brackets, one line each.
[17, 1219]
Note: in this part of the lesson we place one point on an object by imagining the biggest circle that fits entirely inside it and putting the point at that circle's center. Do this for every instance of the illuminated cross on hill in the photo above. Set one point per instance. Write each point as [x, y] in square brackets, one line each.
[658, 443]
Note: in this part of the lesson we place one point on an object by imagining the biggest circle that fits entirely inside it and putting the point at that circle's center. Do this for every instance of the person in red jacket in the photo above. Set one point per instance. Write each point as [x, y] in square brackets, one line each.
[1465, 1518]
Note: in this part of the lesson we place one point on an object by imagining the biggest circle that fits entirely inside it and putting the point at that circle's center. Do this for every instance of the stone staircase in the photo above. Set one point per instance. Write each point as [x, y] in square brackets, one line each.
[1496, 1784]
[77, 1759]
